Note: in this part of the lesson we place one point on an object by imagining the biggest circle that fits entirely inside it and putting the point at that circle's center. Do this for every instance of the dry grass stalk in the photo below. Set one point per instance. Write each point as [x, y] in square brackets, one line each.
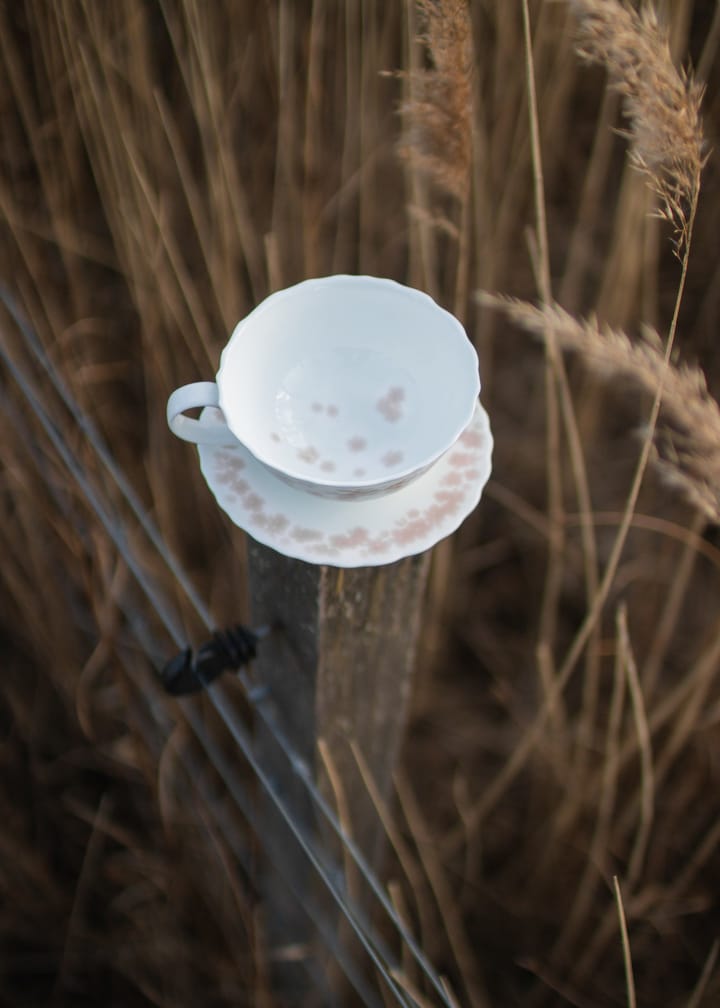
[436, 143]
[188, 218]
[627, 958]
[661, 102]
[707, 971]
[687, 442]
[437, 135]
[439, 883]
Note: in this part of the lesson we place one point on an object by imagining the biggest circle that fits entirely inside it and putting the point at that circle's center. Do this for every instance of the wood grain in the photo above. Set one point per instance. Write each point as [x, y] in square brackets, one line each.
[339, 666]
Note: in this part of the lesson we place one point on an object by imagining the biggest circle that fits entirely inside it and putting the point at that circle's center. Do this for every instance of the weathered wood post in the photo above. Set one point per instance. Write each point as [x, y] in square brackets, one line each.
[339, 669]
[349, 432]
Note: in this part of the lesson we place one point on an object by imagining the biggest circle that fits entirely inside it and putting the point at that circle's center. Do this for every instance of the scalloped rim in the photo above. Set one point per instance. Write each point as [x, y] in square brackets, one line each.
[464, 346]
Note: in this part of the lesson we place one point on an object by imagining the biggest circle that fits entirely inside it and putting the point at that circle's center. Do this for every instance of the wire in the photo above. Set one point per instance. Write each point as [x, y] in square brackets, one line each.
[95, 440]
[189, 711]
[219, 761]
[261, 703]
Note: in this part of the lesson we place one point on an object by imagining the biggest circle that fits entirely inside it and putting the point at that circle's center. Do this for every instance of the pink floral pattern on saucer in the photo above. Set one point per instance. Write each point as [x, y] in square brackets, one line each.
[351, 533]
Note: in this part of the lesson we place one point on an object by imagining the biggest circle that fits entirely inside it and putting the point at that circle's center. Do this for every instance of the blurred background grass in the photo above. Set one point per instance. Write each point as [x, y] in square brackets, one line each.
[164, 166]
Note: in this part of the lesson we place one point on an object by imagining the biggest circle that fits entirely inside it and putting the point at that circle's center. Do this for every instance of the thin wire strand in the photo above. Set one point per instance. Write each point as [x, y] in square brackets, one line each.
[376, 950]
[323, 926]
[150, 648]
[88, 428]
[258, 698]
[155, 716]
[302, 770]
[112, 527]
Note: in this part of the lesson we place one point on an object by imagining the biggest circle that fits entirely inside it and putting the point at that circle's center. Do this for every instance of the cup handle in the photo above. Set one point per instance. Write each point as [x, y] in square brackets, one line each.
[189, 397]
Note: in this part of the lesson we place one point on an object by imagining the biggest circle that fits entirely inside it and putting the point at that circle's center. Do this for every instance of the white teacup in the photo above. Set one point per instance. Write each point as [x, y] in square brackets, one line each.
[348, 387]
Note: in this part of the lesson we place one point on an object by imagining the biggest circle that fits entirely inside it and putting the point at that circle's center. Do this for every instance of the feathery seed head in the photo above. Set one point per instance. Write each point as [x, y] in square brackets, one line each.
[661, 102]
[687, 440]
[437, 116]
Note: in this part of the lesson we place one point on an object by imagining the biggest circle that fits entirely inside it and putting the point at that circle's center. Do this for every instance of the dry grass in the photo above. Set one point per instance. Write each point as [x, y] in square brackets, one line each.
[437, 115]
[166, 165]
[687, 441]
[662, 103]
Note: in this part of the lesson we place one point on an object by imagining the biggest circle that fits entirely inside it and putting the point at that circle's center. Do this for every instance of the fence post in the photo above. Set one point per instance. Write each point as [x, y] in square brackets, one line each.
[339, 669]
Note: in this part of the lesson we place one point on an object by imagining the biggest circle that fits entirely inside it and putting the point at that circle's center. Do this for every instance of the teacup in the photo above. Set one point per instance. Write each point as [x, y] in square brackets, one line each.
[348, 387]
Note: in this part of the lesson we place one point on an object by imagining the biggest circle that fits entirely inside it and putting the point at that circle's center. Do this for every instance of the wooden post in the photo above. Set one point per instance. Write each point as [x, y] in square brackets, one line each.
[339, 669]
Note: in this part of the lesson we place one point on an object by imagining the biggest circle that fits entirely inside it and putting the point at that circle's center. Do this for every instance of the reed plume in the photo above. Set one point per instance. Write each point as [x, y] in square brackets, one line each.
[164, 165]
[687, 439]
[437, 116]
[661, 103]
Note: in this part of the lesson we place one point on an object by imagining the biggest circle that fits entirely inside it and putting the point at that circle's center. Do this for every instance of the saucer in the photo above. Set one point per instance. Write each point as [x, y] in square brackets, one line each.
[350, 533]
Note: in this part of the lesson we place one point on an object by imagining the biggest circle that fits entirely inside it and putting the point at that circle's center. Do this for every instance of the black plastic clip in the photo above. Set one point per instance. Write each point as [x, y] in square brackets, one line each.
[229, 649]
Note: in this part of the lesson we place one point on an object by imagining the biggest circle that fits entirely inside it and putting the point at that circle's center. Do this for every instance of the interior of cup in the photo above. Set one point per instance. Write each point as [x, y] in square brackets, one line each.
[348, 380]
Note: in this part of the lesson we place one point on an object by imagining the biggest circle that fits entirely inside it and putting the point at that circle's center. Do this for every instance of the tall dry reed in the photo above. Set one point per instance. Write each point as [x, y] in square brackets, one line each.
[661, 103]
[437, 114]
[163, 167]
[687, 439]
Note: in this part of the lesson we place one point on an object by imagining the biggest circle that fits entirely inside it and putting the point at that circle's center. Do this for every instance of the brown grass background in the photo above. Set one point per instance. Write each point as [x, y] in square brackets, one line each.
[166, 164]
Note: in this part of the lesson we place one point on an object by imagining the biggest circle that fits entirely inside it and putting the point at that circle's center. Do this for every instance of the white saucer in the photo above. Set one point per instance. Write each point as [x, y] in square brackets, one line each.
[347, 533]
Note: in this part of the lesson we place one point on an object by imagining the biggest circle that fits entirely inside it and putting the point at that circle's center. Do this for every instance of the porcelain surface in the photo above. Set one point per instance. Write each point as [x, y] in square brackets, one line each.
[350, 533]
[348, 383]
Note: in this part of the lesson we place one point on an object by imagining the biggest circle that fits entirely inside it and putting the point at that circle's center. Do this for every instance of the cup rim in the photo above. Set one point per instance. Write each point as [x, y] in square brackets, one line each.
[360, 483]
